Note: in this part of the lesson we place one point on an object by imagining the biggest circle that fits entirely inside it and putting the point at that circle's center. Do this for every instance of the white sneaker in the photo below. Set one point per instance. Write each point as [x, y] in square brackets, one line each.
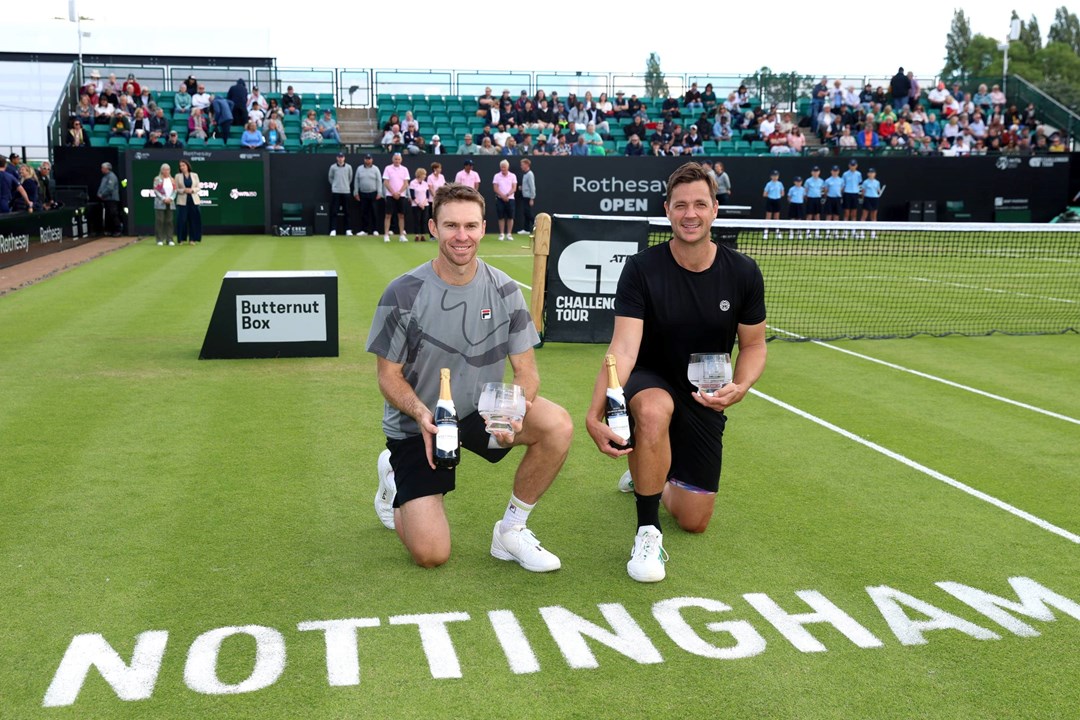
[160, 242]
[648, 556]
[523, 232]
[348, 232]
[363, 232]
[384, 498]
[386, 238]
[520, 545]
[402, 238]
[501, 237]
[171, 243]
[626, 483]
[333, 233]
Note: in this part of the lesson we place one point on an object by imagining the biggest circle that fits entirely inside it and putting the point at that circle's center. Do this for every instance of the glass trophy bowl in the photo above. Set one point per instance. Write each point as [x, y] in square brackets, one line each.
[500, 405]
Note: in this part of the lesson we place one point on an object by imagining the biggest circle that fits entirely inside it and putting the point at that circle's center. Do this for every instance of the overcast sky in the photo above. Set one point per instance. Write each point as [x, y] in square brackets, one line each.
[810, 37]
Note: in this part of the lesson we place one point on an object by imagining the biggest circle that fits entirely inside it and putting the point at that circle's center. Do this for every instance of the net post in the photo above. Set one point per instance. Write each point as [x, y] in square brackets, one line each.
[541, 250]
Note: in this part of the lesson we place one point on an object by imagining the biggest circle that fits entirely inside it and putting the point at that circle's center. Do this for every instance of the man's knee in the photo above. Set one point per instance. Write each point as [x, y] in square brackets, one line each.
[652, 411]
[694, 522]
[430, 557]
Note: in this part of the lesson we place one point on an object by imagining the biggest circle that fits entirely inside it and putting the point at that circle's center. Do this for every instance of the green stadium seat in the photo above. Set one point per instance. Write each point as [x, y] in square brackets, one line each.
[196, 142]
[218, 143]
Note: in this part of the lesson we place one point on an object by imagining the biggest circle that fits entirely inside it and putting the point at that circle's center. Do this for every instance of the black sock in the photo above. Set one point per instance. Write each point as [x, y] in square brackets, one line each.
[648, 509]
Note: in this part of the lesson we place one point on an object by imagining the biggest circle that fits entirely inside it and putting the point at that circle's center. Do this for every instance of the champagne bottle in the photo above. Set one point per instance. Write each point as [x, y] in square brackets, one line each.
[447, 452]
[618, 419]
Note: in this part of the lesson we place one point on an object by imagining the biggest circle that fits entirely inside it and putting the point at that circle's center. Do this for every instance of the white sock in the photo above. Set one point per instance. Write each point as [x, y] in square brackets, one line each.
[517, 513]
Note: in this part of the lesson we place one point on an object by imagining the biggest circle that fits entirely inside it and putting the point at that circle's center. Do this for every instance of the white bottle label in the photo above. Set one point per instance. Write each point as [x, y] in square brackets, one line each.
[446, 438]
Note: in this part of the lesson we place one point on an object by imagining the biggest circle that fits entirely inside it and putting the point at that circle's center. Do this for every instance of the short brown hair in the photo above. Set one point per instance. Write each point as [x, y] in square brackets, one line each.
[456, 192]
[436, 166]
[691, 172]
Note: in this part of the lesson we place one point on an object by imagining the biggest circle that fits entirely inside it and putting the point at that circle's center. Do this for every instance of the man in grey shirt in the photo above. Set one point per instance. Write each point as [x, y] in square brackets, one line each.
[528, 197]
[340, 177]
[460, 313]
[367, 189]
[723, 184]
[109, 195]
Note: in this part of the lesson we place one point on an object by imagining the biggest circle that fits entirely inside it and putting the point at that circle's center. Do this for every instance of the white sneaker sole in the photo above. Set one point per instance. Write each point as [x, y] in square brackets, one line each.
[501, 553]
[647, 577]
[384, 510]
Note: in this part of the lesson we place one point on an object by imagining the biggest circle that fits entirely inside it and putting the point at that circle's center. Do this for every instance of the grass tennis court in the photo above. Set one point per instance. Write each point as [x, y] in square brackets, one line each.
[144, 491]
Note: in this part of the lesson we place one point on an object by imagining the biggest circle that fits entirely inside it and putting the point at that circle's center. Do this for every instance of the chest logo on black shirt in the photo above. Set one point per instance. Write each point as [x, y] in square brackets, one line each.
[725, 305]
[485, 314]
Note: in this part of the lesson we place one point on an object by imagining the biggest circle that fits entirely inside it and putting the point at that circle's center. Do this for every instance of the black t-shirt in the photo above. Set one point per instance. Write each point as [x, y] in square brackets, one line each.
[688, 312]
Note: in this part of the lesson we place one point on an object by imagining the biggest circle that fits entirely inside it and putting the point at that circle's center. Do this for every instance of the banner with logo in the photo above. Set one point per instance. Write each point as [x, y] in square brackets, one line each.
[234, 187]
[587, 258]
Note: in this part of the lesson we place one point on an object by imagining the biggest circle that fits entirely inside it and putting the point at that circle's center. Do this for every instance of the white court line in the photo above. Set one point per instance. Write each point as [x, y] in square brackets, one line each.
[1001, 504]
[935, 378]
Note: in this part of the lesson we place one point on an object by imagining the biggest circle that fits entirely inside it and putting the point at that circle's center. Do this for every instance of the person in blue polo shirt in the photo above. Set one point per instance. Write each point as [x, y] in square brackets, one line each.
[834, 186]
[814, 187]
[773, 192]
[796, 196]
[871, 192]
[852, 182]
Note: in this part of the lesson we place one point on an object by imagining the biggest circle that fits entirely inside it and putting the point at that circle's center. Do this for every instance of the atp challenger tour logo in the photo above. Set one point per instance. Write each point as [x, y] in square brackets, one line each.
[698, 626]
[591, 268]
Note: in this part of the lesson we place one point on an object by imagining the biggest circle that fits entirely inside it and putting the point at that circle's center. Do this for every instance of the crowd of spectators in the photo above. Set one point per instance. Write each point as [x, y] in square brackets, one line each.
[900, 118]
[132, 111]
[24, 188]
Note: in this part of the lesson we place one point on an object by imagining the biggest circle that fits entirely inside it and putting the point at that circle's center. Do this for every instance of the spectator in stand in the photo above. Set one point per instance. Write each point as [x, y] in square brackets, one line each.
[708, 98]
[181, 101]
[836, 94]
[46, 186]
[692, 99]
[511, 148]
[436, 147]
[957, 93]
[620, 108]
[997, 98]
[487, 147]
[126, 106]
[367, 189]
[251, 137]
[291, 103]
[120, 126]
[468, 147]
[818, 97]
[851, 99]
[159, 123]
[593, 140]
[467, 176]
[796, 141]
[164, 190]
[634, 106]
[914, 91]
[544, 117]
[104, 110]
[420, 204]
[201, 99]
[866, 98]
[777, 141]
[951, 108]
[222, 116]
[579, 148]
[75, 136]
[527, 117]
[174, 141]
[188, 214]
[604, 106]
[826, 124]
[197, 125]
[255, 114]
[84, 111]
[634, 148]
[112, 86]
[414, 142]
[952, 129]
[937, 97]
[981, 99]
[193, 85]
[765, 127]
[388, 136]
[886, 129]
[396, 192]
[136, 89]
[867, 139]
[526, 146]
[274, 132]
[238, 93]
[257, 98]
[670, 108]
[742, 97]
[540, 147]
[635, 127]
[327, 126]
[95, 80]
[977, 126]
[562, 148]
[140, 123]
[932, 128]
[500, 137]
[1057, 143]
[486, 103]
[485, 133]
[309, 129]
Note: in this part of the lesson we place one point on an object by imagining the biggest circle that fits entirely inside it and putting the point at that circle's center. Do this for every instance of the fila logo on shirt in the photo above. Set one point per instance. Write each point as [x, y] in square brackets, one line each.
[485, 314]
[725, 305]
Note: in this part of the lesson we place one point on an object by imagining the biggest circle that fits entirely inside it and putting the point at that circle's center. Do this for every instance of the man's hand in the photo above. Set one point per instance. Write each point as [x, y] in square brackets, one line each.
[723, 398]
[603, 436]
[426, 421]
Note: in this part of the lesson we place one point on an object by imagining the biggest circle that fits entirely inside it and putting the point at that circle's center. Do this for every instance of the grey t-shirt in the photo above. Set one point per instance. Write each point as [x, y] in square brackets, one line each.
[427, 324]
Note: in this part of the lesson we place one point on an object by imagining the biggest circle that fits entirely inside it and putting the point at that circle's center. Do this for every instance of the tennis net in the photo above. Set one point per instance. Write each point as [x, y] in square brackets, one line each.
[833, 280]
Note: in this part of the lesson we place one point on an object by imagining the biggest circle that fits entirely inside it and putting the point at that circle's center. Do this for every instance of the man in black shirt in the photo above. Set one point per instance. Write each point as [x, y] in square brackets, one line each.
[684, 296]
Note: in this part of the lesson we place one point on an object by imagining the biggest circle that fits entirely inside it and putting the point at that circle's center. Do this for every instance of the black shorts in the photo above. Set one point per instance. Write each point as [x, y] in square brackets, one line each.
[832, 206]
[696, 433]
[851, 201]
[415, 478]
[772, 206]
[395, 206]
[869, 203]
[504, 209]
[813, 205]
[796, 211]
